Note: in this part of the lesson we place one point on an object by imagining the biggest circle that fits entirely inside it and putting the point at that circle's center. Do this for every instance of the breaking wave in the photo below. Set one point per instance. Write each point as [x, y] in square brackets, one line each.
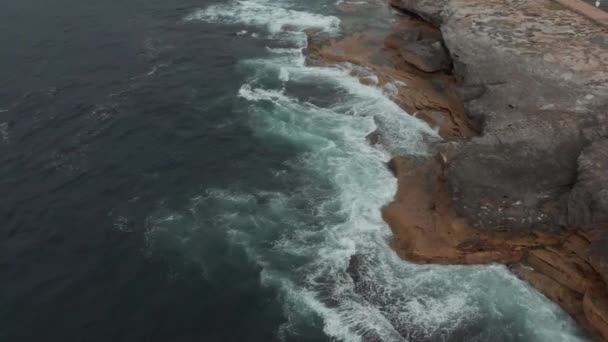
[322, 243]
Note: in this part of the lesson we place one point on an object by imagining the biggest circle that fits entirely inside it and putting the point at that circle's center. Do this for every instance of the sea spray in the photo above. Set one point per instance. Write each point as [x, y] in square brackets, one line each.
[322, 243]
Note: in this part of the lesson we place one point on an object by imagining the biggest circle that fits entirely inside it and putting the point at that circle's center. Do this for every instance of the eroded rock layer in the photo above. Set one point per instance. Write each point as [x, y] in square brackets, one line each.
[519, 91]
[532, 189]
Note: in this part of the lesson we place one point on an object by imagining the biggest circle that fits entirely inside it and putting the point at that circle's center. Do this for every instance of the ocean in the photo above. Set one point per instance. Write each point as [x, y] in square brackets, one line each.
[176, 171]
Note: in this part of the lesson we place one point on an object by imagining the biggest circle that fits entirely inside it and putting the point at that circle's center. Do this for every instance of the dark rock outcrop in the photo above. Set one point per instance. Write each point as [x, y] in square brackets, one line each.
[429, 10]
[519, 90]
[532, 189]
[515, 175]
[541, 96]
[588, 201]
[409, 57]
[598, 255]
[427, 55]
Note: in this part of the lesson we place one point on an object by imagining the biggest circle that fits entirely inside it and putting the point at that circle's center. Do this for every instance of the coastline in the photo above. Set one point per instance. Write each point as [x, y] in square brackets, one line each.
[519, 93]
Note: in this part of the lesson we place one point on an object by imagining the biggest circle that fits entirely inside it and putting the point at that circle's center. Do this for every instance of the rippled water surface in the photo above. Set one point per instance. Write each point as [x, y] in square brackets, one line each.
[174, 171]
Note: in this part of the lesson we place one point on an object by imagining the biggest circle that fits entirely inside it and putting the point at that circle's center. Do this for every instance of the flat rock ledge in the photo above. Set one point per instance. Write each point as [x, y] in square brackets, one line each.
[531, 190]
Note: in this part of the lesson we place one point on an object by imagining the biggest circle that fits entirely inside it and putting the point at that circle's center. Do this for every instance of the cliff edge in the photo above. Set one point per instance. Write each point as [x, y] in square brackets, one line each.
[531, 190]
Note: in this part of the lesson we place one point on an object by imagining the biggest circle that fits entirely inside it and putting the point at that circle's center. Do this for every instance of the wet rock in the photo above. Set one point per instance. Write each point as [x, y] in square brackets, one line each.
[375, 53]
[558, 268]
[598, 255]
[374, 137]
[595, 305]
[570, 300]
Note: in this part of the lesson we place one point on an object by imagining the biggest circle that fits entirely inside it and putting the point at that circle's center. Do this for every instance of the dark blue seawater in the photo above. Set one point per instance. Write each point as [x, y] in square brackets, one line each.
[174, 171]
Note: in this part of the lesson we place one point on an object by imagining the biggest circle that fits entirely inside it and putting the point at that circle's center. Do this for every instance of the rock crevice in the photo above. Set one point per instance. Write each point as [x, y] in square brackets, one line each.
[532, 189]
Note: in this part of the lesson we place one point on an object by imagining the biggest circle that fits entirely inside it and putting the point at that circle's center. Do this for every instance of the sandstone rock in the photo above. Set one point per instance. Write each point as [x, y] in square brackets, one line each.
[588, 201]
[429, 10]
[513, 177]
[598, 256]
[536, 79]
[595, 305]
[427, 229]
[426, 55]
[420, 45]
[570, 300]
[577, 245]
[559, 269]
[541, 95]
[375, 51]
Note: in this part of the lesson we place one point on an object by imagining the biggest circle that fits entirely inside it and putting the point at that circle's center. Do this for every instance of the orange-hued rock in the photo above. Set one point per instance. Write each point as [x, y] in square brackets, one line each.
[578, 245]
[570, 300]
[380, 51]
[531, 189]
[595, 305]
[427, 229]
[559, 268]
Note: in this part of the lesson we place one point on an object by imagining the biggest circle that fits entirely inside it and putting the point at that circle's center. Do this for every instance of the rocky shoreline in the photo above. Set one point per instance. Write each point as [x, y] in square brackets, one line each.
[518, 90]
[531, 190]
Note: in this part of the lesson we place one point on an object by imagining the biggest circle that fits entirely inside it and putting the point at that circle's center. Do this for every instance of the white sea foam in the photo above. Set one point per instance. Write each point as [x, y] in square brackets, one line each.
[4, 131]
[422, 301]
[330, 257]
[264, 13]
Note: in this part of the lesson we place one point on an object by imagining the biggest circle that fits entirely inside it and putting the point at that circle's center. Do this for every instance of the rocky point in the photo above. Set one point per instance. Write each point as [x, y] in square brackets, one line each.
[518, 90]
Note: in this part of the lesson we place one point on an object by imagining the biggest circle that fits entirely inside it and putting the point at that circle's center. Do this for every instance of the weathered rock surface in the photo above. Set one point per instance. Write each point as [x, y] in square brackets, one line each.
[427, 229]
[588, 200]
[536, 75]
[541, 76]
[515, 175]
[429, 10]
[570, 300]
[532, 188]
[598, 255]
[426, 54]
[596, 311]
[400, 56]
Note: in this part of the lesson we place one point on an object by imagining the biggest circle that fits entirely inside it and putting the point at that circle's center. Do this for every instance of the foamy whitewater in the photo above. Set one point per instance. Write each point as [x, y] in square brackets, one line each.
[324, 245]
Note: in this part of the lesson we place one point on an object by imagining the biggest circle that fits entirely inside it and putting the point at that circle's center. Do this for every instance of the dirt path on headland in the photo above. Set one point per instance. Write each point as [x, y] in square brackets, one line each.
[519, 92]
